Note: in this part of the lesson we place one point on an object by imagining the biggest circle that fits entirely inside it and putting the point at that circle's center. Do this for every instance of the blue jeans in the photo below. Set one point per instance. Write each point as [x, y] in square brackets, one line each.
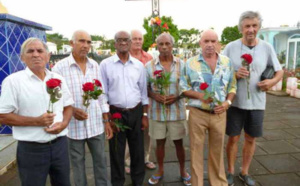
[37, 160]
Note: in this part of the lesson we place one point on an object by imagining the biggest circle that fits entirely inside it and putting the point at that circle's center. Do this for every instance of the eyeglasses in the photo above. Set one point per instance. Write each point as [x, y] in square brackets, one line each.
[120, 40]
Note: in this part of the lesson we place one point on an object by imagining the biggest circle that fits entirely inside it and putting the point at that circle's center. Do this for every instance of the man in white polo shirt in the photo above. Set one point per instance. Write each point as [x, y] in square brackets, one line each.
[42, 143]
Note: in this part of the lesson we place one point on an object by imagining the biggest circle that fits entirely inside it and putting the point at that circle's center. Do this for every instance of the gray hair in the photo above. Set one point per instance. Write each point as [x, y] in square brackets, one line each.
[31, 40]
[165, 34]
[122, 31]
[74, 36]
[249, 15]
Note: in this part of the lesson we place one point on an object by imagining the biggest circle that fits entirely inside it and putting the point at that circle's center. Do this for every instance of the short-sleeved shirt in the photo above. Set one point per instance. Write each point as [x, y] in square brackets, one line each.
[25, 94]
[175, 111]
[263, 54]
[221, 82]
[75, 78]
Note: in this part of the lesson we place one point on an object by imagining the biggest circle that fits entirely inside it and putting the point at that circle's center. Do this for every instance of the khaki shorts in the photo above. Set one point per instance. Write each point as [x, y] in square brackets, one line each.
[174, 129]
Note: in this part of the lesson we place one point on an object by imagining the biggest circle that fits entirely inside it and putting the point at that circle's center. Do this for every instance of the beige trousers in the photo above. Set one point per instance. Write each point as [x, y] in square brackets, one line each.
[215, 124]
[147, 147]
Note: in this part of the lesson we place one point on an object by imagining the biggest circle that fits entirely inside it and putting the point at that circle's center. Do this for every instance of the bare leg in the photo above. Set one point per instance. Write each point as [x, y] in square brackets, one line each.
[231, 149]
[248, 152]
[180, 156]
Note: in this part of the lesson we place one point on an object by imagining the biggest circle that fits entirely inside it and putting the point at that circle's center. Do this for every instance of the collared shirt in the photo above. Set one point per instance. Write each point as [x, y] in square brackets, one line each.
[23, 93]
[222, 82]
[75, 78]
[263, 55]
[144, 58]
[125, 84]
[175, 111]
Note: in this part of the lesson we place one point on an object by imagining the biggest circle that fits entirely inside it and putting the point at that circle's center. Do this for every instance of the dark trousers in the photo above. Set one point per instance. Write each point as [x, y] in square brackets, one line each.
[37, 160]
[117, 144]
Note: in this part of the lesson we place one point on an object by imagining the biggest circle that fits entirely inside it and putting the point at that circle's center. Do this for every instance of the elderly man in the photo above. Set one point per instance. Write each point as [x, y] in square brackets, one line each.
[170, 121]
[88, 126]
[248, 112]
[124, 79]
[208, 107]
[137, 52]
[42, 142]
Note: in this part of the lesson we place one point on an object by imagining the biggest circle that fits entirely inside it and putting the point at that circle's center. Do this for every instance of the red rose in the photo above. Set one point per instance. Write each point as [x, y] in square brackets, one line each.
[203, 86]
[247, 58]
[53, 83]
[116, 115]
[157, 72]
[165, 26]
[88, 87]
[97, 83]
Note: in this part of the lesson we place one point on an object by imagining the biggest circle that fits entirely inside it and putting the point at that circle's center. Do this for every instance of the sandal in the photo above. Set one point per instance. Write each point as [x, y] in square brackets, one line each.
[186, 180]
[155, 179]
[150, 165]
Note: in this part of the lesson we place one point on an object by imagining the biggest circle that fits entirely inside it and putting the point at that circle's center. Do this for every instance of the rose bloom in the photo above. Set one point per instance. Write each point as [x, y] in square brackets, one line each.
[157, 72]
[97, 83]
[53, 83]
[203, 86]
[88, 87]
[247, 58]
[116, 115]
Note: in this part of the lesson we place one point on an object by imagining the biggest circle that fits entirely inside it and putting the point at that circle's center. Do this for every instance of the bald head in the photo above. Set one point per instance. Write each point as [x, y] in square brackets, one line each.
[79, 32]
[209, 42]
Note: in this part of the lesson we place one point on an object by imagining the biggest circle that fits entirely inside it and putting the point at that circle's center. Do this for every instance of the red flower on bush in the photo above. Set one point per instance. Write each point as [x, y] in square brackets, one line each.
[203, 86]
[116, 115]
[88, 87]
[97, 83]
[165, 26]
[247, 58]
[53, 83]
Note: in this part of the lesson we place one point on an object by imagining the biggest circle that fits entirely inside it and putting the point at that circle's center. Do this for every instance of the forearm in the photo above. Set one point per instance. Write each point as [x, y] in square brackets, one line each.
[230, 96]
[278, 76]
[145, 108]
[18, 120]
[67, 114]
[192, 94]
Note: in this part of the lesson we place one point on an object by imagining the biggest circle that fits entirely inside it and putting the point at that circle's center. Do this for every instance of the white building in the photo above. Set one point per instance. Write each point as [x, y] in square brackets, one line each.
[52, 47]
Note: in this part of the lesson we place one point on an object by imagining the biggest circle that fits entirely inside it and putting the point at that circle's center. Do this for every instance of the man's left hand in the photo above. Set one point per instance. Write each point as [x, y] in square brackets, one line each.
[108, 131]
[171, 99]
[265, 85]
[219, 109]
[56, 128]
[145, 123]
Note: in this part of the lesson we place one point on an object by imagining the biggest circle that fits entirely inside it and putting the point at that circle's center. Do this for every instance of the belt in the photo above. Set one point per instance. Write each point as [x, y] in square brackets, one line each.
[207, 111]
[46, 143]
[112, 107]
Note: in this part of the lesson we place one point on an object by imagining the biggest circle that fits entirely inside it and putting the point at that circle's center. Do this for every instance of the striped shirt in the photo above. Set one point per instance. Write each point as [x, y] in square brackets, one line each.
[222, 82]
[75, 78]
[175, 111]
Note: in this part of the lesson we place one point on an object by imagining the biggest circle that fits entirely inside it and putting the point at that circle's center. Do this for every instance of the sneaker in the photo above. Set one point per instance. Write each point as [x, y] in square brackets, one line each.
[248, 181]
[230, 179]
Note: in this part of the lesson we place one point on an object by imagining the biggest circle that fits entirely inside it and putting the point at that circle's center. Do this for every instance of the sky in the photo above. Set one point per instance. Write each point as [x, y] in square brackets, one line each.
[106, 17]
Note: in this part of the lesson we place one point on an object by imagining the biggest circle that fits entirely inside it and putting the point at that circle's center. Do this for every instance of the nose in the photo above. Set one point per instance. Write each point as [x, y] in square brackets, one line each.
[35, 53]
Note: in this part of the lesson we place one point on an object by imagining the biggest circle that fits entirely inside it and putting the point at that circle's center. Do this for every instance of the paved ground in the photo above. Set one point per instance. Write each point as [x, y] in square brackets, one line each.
[276, 161]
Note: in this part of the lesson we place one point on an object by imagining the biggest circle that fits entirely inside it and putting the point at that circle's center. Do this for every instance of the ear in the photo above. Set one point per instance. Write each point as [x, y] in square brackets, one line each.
[71, 42]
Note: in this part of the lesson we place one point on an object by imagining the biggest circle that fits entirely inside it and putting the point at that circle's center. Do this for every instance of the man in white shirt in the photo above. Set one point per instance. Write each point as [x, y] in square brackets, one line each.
[89, 125]
[42, 143]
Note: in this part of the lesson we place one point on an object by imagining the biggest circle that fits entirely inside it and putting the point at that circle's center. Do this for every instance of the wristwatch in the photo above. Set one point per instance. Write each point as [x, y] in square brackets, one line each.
[106, 120]
[145, 114]
[229, 102]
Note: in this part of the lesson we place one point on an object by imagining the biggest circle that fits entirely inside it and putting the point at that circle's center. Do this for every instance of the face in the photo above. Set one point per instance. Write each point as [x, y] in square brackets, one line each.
[250, 28]
[35, 56]
[164, 46]
[209, 43]
[136, 40]
[82, 44]
[123, 42]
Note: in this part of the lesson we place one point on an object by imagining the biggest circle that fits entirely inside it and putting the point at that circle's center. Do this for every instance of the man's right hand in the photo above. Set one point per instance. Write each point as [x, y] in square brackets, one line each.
[206, 101]
[46, 119]
[159, 98]
[242, 73]
[79, 114]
